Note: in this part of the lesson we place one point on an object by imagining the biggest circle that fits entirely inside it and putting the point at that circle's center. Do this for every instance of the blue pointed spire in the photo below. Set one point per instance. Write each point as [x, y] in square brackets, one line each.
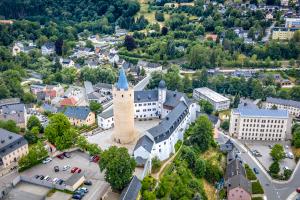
[122, 82]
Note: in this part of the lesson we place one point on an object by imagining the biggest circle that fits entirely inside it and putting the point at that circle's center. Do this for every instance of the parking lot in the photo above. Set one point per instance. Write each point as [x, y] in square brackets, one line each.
[78, 159]
[265, 159]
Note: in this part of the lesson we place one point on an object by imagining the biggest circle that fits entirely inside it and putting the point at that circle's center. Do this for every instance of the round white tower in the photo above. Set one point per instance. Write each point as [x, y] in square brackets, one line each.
[123, 106]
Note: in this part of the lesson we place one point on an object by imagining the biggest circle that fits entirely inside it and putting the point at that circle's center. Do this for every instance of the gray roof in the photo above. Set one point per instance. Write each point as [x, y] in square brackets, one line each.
[173, 98]
[166, 127]
[9, 101]
[145, 96]
[140, 161]
[107, 114]
[14, 112]
[227, 147]
[88, 87]
[246, 112]
[234, 168]
[103, 85]
[285, 102]
[239, 181]
[79, 112]
[132, 190]
[93, 95]
[9, 142]
[144, 142]
[74, 179]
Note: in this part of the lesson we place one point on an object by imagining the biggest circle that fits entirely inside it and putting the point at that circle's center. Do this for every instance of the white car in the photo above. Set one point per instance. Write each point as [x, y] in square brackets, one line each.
[47, 160]
[55, 180]
[66, 167]
[286, 168]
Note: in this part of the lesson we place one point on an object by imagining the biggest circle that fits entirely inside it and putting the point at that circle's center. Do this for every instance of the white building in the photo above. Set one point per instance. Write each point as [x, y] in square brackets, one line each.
[260, 124]
[218, 101]
[292, 22]
[293, 107]
[176, 112]
[48, 48]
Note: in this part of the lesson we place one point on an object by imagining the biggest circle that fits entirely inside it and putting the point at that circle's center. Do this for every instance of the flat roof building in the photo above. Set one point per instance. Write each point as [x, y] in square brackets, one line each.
[218, 101]
[260, 124]
[293, 107]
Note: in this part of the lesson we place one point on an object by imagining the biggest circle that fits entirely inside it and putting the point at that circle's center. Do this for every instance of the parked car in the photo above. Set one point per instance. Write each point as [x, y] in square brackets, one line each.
[84, 189]
[255, 170]
[66, 167]
[88, 182]
[60, 182]
[95, 159]
[74, 169]
[47, 178]
[47, 160]
[270, 146]
[67, 154]
[37, 176]
[77, 196]
[286, 168]
[56, 168]
[80, 192]
[55, 180]
[290, 155]
[42, 177]
[298, 190]
[60, 156]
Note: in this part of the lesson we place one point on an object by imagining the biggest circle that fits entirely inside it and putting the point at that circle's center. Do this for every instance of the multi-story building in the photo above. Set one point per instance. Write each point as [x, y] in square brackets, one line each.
[292, 22]
[16, 112]
[283, 33]
[81, 115]
[293, 107]
[174, 109]
[218, 101]
[12, 148]
[259, 124]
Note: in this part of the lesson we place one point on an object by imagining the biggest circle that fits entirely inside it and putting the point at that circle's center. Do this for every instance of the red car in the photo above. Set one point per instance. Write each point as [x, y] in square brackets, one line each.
[60, 156]
[298, 190]
[74, 169]
[95, 159]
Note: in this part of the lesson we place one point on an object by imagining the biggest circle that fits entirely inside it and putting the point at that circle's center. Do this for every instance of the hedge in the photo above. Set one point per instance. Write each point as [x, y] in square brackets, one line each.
[250, 174]
[257, 198]
[257, 188]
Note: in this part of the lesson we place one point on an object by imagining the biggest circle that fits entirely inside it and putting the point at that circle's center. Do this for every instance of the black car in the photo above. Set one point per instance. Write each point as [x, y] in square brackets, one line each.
[36, 176]
[88, 182]
[60, 182]
[42, 177]
[56, 168]
[67, 155]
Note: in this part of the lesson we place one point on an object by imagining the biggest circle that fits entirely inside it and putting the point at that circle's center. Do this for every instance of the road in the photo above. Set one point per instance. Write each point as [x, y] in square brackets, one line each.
[139, 86]
[268, 33]
[275, 190]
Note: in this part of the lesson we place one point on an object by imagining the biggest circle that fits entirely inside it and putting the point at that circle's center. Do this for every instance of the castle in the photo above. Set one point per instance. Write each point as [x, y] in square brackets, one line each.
[174, 108]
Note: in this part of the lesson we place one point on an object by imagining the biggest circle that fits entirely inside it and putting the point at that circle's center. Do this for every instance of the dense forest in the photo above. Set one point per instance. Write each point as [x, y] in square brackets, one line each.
[68, 10]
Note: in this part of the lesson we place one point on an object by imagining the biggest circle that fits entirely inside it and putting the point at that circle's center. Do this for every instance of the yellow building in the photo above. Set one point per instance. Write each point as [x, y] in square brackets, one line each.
[283, 33]
[80, 115]
[123, 107]
[12, 148]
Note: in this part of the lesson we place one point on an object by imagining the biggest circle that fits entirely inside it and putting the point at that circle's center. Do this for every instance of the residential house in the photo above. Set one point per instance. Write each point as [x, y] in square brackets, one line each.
[15, 112]
[67, 63]
[48, 48]
[22, 47]
[80, 115]
[212, 37]
[132, 190]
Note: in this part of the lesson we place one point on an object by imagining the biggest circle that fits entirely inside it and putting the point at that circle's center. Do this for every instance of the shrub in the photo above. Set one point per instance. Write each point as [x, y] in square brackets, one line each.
[274, 168]
[250, 174]
[257, 198]
[178, 144]
[156, 164]
[257, 188]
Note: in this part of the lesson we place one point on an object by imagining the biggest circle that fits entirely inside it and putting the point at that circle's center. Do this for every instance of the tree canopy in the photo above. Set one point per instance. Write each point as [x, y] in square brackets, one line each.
[277, 152]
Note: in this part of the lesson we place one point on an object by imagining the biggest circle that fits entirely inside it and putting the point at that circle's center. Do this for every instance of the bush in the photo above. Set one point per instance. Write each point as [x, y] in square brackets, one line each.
[225, 125]
[287, 174]
[257, 198]
[178, 144]
[156, 164]
[274, 168]
[257, 188]
[250, 174]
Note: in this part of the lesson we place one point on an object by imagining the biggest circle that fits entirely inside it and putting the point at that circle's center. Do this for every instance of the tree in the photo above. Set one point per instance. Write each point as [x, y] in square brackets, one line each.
[199, 57]
[118, 165]
[200, 78]
[129, 43]
[10, 125]
[33, 121]
[189, 155]
[164, 30]
[156, 164]
[159, 16]
[58, 46]
[225, 125]
[202, 133]
[296, 36]
[200, 168]
[59, 132]
[277, 152]
[274, 107]
[28, 98]
[274, 168]
[236, 101]
[96, 107]
[206, 106]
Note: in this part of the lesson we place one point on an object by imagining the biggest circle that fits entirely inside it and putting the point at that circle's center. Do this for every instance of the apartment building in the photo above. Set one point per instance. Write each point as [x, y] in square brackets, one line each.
[292, 22]
[218, 101]
[293, 107]
[260, 124]
[12, 148]
[283, 33]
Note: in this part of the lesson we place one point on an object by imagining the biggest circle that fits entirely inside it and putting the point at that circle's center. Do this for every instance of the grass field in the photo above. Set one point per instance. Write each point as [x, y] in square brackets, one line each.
[209, 190]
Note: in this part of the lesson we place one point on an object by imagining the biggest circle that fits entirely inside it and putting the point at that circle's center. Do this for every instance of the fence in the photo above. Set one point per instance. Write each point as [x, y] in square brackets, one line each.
[44, 183]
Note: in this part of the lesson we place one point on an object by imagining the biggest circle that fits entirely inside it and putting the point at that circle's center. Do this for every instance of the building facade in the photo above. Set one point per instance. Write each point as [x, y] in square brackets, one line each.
[16, 112]
[260, 124]
[293, 107]
[292, 22]
[283, 33]
[12, 148]
[218, 101]
[80, 115]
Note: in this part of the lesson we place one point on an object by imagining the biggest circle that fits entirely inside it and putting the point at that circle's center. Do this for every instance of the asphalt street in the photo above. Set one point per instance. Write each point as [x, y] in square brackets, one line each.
[274, 190]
